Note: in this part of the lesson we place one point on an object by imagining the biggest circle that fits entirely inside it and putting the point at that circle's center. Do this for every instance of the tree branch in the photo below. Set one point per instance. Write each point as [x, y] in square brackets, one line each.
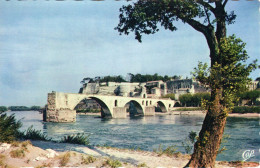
[197, 25]
[225, 2]
[201, 2]
[206, 11]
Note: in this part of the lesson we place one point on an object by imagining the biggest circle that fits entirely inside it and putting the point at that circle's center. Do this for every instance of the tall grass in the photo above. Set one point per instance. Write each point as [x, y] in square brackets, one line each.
[113, 163]
[169, 151]
[64, 159]
[9, 127]
[34, 134]
[79, 138]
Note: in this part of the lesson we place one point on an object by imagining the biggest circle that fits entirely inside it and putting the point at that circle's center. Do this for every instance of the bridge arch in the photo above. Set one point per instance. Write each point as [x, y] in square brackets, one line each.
[105, 111]
[135, 108]
[161, 107]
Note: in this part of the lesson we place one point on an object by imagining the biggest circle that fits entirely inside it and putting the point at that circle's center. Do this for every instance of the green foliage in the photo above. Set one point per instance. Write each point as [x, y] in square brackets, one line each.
[170, 95]
[3, 108]
[189, 109]
[88, 160]
[189, 100]
[35, 108]
[201, 73]
[33, 134]
[224, 140]
[19, 108]
[169, 151]
[9, 128]
[144, 16]
[189, 142]
[230, 73]
[24, 108]
[246, 109]
[250, 95]
[112, 79]
[145, 78]
[113, 163]
[142, 165]
[81, 139]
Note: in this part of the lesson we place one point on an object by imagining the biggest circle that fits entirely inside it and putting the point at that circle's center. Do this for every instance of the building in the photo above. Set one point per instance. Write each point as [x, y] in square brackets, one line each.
[151, 89]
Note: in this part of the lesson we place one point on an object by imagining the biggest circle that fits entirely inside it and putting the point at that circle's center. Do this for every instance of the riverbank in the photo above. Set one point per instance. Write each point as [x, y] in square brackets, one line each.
[201, 113]
[24, 154]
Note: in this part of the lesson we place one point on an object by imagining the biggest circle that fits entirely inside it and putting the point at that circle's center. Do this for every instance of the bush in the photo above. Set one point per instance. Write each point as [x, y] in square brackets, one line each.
[114, 163]
[246, 109]
[9, 128]
[250, 95]
[33, 134]
[189, 142]
[19, 108]
[189, 109]
[18, 153]
[81, 139]
[3, 109]
[89, 159]
[169, 151]
[142, 165]
[193, 100]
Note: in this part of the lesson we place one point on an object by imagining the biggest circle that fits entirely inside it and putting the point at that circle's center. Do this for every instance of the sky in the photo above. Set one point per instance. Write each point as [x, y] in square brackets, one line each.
[52, 45]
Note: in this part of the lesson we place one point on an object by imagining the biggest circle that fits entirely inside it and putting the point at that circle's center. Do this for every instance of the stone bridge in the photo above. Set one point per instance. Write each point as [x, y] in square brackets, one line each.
[61, 106]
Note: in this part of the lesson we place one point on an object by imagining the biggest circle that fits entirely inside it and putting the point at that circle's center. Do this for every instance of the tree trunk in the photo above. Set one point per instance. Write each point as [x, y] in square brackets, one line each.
[207, 146]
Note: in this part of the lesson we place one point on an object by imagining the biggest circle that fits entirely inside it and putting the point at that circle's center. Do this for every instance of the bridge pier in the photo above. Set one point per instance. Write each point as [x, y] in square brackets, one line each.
[61, 106]
[119, 112]
[60, 115]
[149, 111]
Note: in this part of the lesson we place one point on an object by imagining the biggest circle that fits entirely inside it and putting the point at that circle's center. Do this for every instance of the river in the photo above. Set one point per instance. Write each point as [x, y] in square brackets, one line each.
[147, 133]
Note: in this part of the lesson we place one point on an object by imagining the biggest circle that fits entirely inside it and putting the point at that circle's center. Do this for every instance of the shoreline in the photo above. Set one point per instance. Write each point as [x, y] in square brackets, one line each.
[34, 156]
[190, 113]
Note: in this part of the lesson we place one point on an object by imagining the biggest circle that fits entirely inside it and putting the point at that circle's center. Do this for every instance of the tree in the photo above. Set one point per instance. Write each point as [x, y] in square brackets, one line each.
[3, 108]
[209, 18]
[250, 95]
[35, 108]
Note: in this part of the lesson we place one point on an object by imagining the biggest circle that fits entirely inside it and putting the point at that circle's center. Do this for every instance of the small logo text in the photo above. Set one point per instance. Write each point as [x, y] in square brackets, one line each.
[248, 154]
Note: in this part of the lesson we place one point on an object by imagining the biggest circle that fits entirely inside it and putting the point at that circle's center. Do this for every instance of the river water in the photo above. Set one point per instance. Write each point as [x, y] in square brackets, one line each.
[147, 133]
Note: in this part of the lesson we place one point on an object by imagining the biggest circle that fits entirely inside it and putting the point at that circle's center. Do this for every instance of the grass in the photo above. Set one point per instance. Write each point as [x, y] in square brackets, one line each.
[81, 139]
[246, 109]
[64, 159]
[142, 165]
[33, 134]
[188, 109]
[18, 153]
[113, 163]
[88, 160]
[44, 165]
[2, 160]
[15, 144]
[169, 151]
